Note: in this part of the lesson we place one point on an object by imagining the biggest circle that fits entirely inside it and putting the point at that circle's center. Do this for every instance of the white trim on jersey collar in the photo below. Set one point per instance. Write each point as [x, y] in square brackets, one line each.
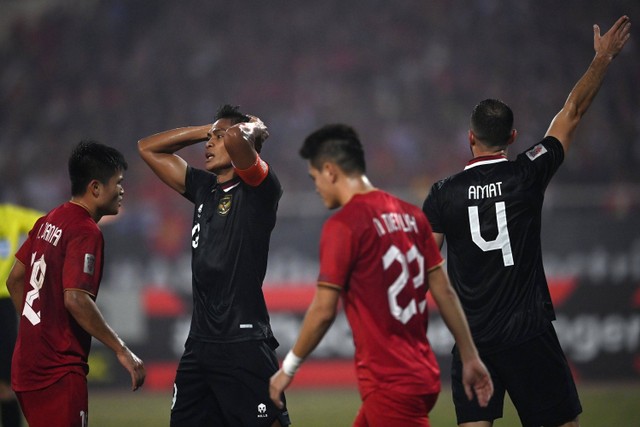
[485, 162]
[229, 188]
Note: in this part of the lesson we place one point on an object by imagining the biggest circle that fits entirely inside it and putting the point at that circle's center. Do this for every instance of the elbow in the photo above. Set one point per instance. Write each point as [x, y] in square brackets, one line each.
[72, 302]
[142, 147]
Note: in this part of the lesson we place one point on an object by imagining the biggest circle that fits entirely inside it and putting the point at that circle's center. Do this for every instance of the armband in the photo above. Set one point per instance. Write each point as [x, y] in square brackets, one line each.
[291, 363]
[254, 175]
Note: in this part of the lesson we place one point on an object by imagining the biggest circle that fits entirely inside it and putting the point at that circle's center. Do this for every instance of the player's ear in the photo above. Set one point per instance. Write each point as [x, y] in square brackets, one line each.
[94, 187]
[331, 170]
[512, 138]
[472, 138]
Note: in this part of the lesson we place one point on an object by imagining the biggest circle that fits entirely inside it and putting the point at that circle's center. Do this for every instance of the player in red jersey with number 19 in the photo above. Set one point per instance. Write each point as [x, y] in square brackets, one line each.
[54, 284]
[378, 253]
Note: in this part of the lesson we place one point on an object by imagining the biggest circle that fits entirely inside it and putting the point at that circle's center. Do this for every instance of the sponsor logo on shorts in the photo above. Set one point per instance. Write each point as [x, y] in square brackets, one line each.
[262, 411]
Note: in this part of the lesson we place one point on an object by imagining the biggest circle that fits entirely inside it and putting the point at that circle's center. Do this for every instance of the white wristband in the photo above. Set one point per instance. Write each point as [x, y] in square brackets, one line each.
[291, 363]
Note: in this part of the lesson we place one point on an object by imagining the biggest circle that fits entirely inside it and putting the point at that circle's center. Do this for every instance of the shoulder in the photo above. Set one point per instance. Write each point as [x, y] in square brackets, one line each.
[549, 148]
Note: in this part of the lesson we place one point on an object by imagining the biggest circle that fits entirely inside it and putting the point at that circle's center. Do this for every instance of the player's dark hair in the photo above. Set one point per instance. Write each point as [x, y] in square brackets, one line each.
[492, 122]
[92, 160]
[337, 143]
[233, 113]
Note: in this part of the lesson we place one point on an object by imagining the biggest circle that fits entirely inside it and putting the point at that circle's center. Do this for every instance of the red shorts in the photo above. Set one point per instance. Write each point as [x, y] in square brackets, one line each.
[384, 408]
[65, 403]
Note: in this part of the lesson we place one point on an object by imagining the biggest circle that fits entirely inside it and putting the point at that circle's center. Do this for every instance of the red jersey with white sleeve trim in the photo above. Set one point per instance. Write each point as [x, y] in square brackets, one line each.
[64, 250]
[378, 250]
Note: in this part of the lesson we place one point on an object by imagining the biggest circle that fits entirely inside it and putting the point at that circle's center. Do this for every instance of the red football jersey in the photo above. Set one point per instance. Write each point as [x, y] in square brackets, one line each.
[378, 250]
[63, 251]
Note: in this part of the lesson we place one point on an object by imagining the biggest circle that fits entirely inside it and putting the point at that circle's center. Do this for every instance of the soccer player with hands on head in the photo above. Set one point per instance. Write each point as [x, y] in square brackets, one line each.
[223, 375]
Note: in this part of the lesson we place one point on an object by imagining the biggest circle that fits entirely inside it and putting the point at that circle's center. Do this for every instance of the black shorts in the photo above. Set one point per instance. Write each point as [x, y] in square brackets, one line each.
[8, 334]
[226, 384]
[535, 374]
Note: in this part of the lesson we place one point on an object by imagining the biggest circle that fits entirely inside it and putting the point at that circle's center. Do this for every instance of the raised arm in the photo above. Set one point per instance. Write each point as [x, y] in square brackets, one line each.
[158, 151]
[607, 47]
[85, 311]
[244, 141]
[475, 377]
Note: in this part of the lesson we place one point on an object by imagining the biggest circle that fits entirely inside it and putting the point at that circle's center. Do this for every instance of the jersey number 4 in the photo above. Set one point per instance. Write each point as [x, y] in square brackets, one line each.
[501, 242]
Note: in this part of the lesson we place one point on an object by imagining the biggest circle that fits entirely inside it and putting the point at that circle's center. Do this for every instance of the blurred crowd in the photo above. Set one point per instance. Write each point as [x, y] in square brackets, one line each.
[406, 74]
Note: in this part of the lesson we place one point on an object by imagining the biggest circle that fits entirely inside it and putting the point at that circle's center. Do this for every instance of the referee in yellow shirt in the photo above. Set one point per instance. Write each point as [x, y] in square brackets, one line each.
[15, 223]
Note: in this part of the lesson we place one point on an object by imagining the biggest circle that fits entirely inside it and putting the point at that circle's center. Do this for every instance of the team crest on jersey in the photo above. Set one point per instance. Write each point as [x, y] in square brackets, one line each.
[224, 205]
[536, 152]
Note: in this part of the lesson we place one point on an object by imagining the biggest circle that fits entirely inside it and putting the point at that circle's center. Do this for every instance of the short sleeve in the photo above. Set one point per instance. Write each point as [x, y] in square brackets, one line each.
[336, 253]
[545, 158]
[83, 262]
[430, 209]
[432, 254]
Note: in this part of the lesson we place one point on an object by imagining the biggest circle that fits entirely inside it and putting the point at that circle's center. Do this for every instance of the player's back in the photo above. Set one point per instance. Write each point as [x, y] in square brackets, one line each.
[491, 216]
[385, 298]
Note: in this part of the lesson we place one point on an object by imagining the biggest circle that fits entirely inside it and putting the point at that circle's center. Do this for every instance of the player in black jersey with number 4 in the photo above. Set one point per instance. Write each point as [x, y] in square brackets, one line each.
[223, 375]
[490, 215]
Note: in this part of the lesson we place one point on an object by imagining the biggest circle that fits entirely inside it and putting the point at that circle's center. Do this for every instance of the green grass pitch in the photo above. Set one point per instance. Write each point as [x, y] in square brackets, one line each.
[604, 406]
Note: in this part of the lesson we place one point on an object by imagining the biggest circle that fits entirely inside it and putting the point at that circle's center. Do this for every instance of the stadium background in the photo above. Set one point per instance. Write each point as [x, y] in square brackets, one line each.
[405, 74]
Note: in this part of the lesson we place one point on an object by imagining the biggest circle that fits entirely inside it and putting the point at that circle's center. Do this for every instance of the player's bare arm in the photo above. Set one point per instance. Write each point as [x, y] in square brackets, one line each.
[476, 378]
[241, 139]
[158, 151]
[317, 321]
[439, 238]
[85, 311]
[607, 47]
[15, 284]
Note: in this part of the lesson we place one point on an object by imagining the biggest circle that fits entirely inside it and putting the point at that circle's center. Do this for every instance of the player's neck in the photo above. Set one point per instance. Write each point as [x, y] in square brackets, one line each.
[485, 152]
[354, 185]
[85, 206]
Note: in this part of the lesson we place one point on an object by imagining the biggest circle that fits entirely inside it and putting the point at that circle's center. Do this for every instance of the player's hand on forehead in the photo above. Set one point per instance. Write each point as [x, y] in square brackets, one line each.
[254, 129]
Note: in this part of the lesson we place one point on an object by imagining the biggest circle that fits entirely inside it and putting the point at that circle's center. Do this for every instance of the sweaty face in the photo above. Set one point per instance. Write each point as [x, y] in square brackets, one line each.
[324, 186]
[111, 194]
[216, 156]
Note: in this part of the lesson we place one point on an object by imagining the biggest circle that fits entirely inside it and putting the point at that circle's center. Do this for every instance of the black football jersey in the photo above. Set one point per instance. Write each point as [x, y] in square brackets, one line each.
[490, 214]
[232, 224]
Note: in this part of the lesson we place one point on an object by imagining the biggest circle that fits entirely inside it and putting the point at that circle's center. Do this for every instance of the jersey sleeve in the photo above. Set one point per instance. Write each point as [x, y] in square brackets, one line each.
[195, 180]
[336, 254]
[545, 158]
[431, 210]
[432, 254]
[83, 262]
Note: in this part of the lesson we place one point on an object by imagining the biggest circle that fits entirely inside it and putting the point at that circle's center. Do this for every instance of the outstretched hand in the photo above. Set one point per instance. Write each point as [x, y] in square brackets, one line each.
[612, 42]
[476, 380]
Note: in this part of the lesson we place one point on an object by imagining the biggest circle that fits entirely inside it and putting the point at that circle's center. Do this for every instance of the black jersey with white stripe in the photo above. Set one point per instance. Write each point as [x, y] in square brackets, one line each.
[232, 226]
[490, 215]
